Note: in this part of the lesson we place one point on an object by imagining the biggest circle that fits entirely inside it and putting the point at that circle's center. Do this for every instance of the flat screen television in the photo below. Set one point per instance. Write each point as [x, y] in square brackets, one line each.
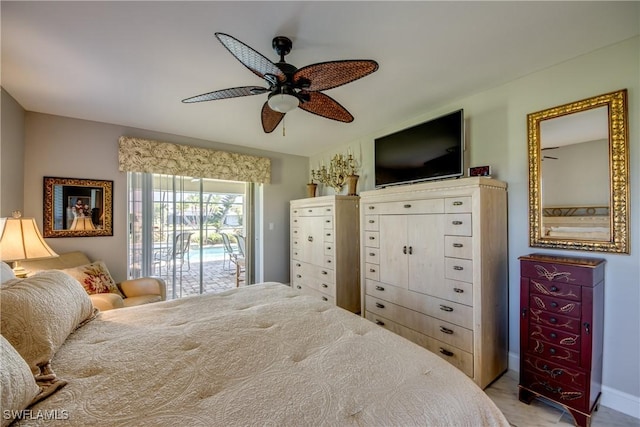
[428, 151]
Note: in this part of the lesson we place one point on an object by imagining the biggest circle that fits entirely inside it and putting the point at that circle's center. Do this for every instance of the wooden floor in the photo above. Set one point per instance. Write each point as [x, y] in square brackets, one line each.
[504, 392]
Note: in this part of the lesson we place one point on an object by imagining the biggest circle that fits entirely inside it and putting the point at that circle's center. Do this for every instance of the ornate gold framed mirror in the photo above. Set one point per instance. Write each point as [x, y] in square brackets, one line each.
[77, 207]
[579, 175]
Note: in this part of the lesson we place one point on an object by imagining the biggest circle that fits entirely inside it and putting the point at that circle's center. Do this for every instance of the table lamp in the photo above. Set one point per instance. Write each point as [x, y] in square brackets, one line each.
[82, 223]
[21, 240]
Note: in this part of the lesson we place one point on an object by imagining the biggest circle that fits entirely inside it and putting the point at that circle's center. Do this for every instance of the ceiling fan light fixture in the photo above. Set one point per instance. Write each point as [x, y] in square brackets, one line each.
[283, 102]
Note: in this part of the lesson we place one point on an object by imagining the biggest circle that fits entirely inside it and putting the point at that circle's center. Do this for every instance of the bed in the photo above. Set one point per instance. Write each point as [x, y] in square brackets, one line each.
[577, 222]
[256, 355]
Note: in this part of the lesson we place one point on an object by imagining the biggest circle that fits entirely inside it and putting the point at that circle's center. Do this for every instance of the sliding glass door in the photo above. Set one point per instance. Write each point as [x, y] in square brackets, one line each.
[186, 231]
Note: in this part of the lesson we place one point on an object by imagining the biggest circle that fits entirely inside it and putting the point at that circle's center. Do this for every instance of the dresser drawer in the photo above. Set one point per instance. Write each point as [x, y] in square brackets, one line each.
[458, 269]
[306, 271]
[328, 261]
[555, 372]
[458, 247]
[555, 289]
[327, 221]
[457, 224]
[452, 312]
[457, 204]
[372, 271]
[328, 236]
[555, 321]
[563, 269]
[371, 223]
[453, 290]
[458, 358]
[426, 206]
[452, 335]
[372, 255]
[313, 211]
[555, 337]
[555, 390]
[372, 239]
[329, 249]
[556, 305]
[554, 353]
[319, 295]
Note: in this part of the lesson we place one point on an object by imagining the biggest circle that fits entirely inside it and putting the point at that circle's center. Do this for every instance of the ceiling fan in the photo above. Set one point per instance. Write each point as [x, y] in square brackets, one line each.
[290, 87]
[549, 157]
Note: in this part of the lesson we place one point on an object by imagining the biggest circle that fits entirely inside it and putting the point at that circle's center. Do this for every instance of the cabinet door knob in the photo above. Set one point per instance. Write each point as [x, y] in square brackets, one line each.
[410, 250]
[404, 250]
[310, 238]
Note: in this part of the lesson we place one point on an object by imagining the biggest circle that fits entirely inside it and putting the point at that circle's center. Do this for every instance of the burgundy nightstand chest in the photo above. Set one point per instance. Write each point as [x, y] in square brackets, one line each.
[561, 331]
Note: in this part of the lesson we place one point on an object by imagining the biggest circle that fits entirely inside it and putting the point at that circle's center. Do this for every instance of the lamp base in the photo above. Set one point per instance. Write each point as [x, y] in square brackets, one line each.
[19, 271]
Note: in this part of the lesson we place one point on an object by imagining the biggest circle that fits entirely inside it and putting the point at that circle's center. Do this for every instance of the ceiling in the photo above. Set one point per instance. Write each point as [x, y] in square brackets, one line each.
[131, 63]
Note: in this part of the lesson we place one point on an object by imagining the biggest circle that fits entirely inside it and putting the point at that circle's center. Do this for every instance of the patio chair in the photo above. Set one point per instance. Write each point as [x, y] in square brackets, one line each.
[240, 260]
[179, 251]
[228, 250]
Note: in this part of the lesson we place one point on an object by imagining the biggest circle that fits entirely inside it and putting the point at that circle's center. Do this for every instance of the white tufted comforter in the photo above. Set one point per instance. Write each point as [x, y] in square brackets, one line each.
[258, 355]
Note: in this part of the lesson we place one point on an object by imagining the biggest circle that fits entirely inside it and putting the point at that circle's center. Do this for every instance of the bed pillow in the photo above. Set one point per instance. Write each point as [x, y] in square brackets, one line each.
[39, 313]
[19, 388]
[95, 278]
[6, 272]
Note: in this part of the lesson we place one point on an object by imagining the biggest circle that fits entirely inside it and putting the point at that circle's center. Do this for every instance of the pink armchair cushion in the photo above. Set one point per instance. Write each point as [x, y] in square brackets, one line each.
[95, 278]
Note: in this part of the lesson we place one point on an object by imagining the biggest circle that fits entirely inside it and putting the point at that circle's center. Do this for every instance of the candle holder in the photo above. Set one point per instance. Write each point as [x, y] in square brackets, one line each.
[341, 168]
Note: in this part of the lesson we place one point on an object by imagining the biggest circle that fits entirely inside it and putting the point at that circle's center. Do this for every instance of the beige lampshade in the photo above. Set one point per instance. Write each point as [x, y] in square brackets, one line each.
[20, 240]
[81, 223]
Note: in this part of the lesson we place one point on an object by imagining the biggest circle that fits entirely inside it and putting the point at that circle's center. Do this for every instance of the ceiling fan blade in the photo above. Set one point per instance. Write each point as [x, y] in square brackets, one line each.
[233, 92]
[270, 119]
[327, 75]
[250, 58]
[325, 106]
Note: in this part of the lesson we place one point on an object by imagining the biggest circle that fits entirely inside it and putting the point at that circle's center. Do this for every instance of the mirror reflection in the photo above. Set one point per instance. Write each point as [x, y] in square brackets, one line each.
[77, 207]
[578, 175]
[575, 175]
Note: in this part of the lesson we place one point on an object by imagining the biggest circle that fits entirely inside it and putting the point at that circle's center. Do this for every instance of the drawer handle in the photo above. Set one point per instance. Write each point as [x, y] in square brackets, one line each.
[324, 299]
[552, 350]
[324, 272]
[324, 285]
[328, 209]
[328, 261]
[554, 289]
[310, 238]
[456, 222]
[328, 234]
[372, 207]
[328, 248]
[328, 221]
[445, 308]
[587, 327]
[457, 267]
[553, 320]
[379, 288]
[457, 203]
[379, 322]
[299, 287]
[446, 352]
[295, 211]
[371, 221]
[298, 276]
[372, 238]
[298, 264]
[457, 245]
[407, 206]
[554, 304]
[372, 254]
[295, 220]
[458, 290]
[309, 210]
[551, 389]
[372, 270]
[295, 231]
[553, 335]
[446, 330]
[379, 305]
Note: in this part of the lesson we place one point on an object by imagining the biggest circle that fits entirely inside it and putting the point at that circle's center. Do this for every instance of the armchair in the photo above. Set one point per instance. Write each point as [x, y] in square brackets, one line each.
[134, 292]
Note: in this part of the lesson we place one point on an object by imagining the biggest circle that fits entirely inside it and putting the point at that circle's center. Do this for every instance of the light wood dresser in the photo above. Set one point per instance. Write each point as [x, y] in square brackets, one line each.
[325, 249]
[434, 269]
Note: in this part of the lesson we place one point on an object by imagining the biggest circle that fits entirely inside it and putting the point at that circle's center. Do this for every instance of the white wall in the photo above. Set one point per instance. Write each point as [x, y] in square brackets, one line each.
[497, 136]
[70, 148]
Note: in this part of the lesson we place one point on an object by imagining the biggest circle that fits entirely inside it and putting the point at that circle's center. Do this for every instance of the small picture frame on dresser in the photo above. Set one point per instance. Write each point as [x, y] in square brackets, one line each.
[480, 171]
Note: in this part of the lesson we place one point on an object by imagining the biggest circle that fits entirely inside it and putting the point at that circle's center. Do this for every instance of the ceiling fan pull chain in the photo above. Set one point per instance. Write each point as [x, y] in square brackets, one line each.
[283, 125]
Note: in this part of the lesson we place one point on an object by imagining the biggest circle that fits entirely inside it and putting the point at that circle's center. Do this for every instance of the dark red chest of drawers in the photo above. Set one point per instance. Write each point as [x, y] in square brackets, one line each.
[561, 331]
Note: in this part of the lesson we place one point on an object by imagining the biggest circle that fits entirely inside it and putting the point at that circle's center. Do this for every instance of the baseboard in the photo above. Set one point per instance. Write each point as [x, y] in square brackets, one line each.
[611, 398]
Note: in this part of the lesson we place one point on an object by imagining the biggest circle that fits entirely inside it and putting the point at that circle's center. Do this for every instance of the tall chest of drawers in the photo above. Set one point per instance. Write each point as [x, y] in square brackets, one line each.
[434, 269]
[325, 249]
[561, 331]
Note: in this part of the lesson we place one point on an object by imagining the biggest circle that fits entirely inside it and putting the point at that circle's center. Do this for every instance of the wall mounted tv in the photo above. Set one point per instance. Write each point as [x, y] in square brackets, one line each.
[428, 151]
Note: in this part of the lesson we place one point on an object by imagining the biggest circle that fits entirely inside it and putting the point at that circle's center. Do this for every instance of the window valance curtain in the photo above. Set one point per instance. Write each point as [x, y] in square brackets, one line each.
[145, 155]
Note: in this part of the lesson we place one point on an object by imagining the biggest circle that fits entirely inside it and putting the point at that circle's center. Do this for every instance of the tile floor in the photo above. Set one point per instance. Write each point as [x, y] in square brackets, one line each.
[504, 392]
